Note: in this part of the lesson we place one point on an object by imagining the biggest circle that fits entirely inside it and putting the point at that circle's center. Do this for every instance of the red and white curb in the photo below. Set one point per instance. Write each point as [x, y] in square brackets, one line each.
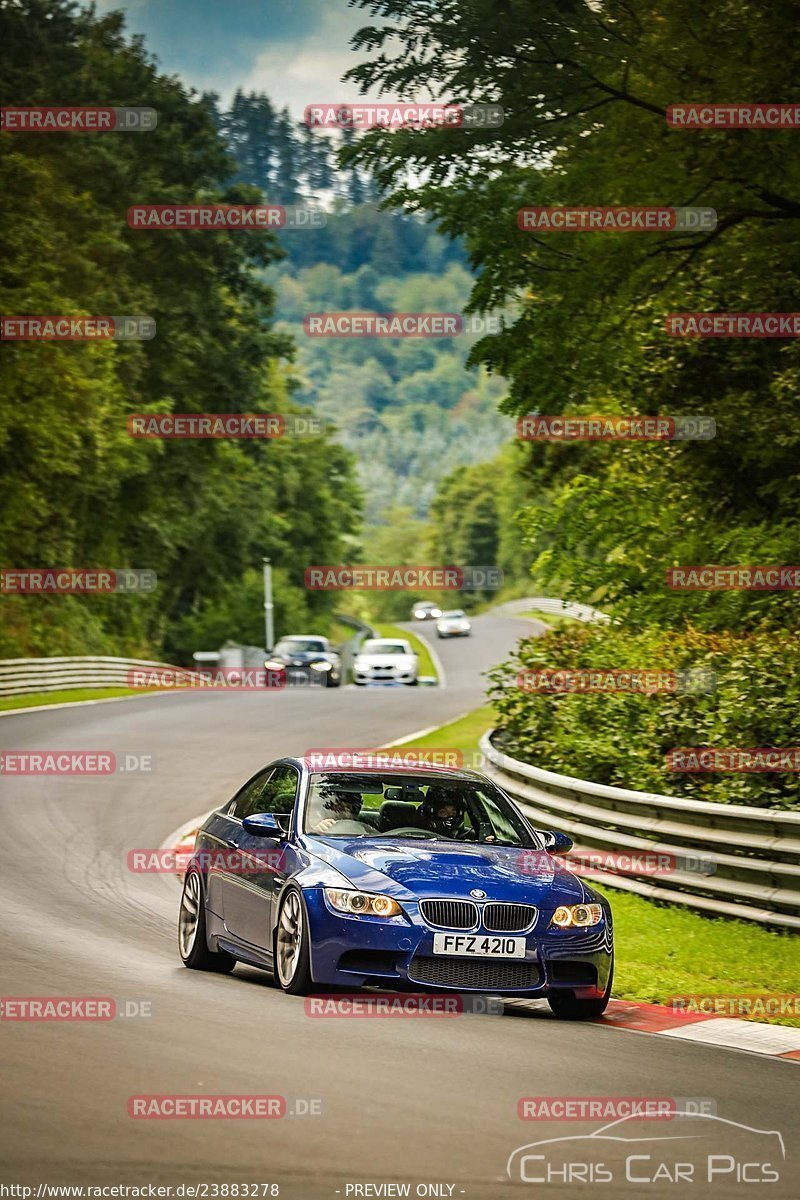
[181, 842]
[730, 1033]
[734, 1033]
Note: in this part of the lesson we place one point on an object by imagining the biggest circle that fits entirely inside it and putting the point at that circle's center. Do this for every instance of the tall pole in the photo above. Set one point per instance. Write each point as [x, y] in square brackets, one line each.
[268, 603]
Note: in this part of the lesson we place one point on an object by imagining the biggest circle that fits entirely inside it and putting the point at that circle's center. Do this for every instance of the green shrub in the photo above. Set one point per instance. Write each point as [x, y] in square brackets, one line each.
[622, 739]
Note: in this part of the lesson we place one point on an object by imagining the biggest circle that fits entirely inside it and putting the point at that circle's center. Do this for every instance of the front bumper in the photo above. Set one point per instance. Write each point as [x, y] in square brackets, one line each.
[398, 953]
[305, 676]
[382, 675]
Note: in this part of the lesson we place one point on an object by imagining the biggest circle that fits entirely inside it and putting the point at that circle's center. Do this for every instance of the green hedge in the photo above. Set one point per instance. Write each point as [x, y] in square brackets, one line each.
[623, 739]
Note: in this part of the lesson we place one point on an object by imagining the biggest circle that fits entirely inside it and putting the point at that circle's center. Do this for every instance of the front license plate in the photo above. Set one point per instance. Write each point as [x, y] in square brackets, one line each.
[480, 944]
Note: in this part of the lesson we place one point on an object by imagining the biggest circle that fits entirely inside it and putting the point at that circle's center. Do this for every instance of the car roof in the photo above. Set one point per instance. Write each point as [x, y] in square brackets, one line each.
[310, 763]
[302, 637]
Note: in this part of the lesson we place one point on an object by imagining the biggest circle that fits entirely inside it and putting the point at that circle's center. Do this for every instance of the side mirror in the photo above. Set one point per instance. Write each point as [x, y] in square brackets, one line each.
[262, 825]
[555, 842]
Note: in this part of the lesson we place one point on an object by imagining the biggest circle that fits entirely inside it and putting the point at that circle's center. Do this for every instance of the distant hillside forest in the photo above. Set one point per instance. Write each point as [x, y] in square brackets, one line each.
[410, 409]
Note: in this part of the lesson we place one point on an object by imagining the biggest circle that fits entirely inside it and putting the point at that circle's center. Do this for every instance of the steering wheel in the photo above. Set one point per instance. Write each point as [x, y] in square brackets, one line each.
[410, 829]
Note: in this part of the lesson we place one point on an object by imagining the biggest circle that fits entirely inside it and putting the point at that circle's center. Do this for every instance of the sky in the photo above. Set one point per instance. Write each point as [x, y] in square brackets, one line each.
[294, 50]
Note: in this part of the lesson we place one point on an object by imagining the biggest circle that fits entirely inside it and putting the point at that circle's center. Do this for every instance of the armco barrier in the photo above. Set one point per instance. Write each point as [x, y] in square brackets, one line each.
[21, 676]
[754, 852]
[556, 608]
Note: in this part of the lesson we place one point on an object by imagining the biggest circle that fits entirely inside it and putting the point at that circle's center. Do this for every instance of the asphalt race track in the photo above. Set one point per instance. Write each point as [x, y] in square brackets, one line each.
[420, 1101]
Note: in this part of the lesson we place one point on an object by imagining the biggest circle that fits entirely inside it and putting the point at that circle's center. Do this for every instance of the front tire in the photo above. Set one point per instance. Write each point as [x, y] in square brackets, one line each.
[292, 955]
[192, 943]
[567, 1007]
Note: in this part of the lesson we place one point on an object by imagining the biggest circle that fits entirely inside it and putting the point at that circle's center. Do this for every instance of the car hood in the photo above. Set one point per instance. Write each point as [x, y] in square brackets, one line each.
[417, 870]
[385, 660]
[304, 656]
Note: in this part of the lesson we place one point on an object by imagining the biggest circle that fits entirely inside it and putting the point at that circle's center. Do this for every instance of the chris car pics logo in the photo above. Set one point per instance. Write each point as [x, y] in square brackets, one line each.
[693, 1149]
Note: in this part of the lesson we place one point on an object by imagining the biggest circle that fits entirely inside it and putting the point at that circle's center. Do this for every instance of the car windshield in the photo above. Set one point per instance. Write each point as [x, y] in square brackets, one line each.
[384, 648]
[300, 646]
[452, 616]
[413, 806]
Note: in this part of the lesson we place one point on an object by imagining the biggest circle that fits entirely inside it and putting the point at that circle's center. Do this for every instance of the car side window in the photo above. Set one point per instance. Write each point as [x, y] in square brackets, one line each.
[272, 791]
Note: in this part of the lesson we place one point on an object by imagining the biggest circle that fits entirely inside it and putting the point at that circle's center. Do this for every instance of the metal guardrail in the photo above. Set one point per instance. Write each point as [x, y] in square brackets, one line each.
[556, 608]
[349, 649]
[22, 676]
[753, 853]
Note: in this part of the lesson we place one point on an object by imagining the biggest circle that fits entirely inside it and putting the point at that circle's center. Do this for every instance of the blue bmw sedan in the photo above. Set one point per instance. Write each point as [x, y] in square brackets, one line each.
[419, 878]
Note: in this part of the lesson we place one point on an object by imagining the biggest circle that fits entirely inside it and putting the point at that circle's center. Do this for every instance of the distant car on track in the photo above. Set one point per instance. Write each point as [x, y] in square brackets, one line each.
[385, 660]
[453, 624]
[306, 658]
[420, 878]
[423, 610]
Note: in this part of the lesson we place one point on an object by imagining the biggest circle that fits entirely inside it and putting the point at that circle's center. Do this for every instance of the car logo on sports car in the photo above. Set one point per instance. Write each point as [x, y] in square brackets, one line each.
[478, 894]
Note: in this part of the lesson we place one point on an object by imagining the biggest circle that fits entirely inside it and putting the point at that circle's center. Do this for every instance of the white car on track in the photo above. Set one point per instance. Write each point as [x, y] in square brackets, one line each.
[453, 624]
[385, 660]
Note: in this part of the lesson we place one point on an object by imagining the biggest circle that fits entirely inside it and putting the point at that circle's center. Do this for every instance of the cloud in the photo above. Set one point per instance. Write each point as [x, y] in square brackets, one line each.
[295, 50]
[313, 70]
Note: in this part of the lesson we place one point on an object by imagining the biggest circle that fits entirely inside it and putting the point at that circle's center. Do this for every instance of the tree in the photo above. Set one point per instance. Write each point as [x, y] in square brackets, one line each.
[585, 89]
[76, 489]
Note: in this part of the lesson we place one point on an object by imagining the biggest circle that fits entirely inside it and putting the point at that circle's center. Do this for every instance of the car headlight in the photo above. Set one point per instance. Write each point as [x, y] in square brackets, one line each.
[419, 613]
[579, 916]
[436, 612]
[272, 664]
[357, 904]
[321, 666]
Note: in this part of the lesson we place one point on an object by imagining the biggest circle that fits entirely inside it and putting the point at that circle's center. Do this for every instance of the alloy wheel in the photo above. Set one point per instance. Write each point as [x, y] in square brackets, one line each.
[190, 914]
[290, 938]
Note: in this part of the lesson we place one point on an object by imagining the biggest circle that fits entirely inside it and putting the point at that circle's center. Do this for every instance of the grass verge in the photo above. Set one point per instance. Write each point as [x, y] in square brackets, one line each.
[426, 666]
[41, 699]
[665, 950]
[554, 620]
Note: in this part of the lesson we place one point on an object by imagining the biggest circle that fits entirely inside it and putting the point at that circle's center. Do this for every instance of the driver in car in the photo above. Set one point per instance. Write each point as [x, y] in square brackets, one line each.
[444, 812]
[344, 809]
